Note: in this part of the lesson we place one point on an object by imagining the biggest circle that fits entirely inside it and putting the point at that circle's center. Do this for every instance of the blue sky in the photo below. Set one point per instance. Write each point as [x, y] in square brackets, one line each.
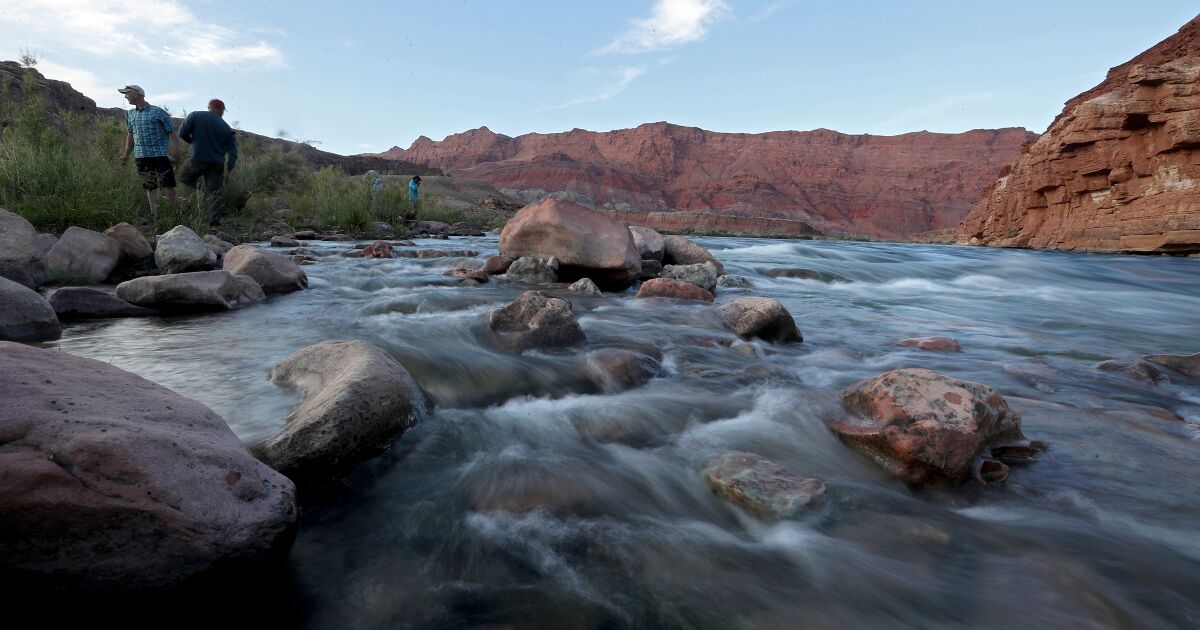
[363, 76]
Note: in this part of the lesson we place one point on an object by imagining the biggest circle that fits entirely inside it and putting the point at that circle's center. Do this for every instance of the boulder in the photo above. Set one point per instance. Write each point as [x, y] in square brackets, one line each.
[22, 258]
[586, 243]
[284, 241]
[734, 282]
[134, 246]
[933, 344]
[378, 249]
[180, 250]
[25, 315]
[585, 286]
[926, 427]
[647, 242]
[614, 370]
[197, 291]
[273, 272]
[433, 227]
[536, 320]
[703, 275]
[82, 256]
[667, 288]
[356, 400]
[71, 303]
[678, 250]
[533, 270]
[218, 246]
[113, 484]
[469, 274]
[761, 317]
[306, 235]
[497, 265]
[763, 487]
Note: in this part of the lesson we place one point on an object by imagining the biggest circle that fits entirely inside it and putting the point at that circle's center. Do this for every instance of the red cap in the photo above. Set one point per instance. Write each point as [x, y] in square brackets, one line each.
[217, 103]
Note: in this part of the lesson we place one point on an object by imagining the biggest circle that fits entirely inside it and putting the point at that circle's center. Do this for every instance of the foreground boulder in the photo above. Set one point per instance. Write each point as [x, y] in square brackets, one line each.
[197, 291]
[532, 270]
[760, 317]
[667, 288]
[112, 483]
[614, 370]
[21, 256]
[649, 243]
[134, 246]
[703, 275]
[762, 487]
[926, 427]
[586, 243]
[273, 272]
[82, 256]
[536, 320]
[180, 250]
[72, 303]
[24, 315]
[678, 250]
[357, 399]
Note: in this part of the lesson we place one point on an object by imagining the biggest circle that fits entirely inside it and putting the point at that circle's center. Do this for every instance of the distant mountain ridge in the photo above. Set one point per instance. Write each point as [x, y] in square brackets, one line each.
[783, 181]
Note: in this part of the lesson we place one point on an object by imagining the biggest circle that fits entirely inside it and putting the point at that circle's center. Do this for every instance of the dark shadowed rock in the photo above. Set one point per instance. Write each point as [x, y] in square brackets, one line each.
[650, 269]
[112, 484]
[761, 486]
[585, 286]
[72, 303]
[197, 291]
[134, 246]
[586, 243]
[357, 400]
[667, 288]
[273, 272]
[25, 315]
[82, 256]
[536, 320]
[218, 246]
[306, 235]
[649, 243]
[703, 275]
[22, 258]
[614, 370]
[497, 265]
[760, 317]
[180, 250]
[531, 270]
[933, 344]
[678, 250]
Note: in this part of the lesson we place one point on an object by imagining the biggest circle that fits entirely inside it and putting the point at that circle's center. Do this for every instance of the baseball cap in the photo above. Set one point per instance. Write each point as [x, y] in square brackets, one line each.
[218, 103]
[132, 88]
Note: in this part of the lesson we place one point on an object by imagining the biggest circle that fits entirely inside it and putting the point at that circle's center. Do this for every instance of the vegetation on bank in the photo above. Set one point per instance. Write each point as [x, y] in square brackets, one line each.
[61, 169]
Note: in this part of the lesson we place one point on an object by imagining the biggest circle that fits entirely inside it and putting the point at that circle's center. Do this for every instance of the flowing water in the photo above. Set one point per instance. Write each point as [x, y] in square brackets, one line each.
[530, 498]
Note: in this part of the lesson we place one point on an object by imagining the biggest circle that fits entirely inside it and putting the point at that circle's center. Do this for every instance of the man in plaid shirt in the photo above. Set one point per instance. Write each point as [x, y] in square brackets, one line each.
[154, 144]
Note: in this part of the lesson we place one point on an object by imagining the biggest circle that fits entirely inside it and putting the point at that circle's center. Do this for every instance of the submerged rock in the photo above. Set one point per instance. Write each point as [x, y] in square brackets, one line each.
[1184, 364]
[272, 272]
[357, 400]
[82, 256]
[926, 427]
[71, 303]
[25, 315]
[536, 320]
[1155, 368]
[531, 270]
[180, 250]
[760, 317]
[586, 243]
[667, 288]
[703, 275]
[197, 291]
[734, 282]
[113, 484]
[678, 250]
[585, 286]
[761, 486]
[614, 370]
[22, 258]
[468, 274]
[933, 344]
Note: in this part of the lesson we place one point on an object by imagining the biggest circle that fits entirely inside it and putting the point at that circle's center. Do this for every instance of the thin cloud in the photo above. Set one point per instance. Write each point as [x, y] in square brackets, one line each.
[159, 30]
[626, 75]
[671, 23]
[768, 11]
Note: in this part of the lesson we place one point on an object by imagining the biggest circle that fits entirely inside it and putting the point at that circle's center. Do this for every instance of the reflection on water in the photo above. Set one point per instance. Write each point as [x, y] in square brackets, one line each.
[532, 499]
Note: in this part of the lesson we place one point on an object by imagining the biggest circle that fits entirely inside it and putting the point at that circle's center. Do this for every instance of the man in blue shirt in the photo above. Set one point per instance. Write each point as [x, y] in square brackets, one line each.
[212, 140]
[151, 138]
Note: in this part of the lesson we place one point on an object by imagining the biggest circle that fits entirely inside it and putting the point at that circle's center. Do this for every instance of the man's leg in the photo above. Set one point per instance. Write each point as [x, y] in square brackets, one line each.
[214, 180]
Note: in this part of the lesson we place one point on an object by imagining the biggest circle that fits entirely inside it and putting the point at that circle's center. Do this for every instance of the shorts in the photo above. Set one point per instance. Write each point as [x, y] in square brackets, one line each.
[155, 172]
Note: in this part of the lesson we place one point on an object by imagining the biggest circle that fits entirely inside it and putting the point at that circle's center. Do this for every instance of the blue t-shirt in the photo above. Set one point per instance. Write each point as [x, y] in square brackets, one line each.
[150, 127]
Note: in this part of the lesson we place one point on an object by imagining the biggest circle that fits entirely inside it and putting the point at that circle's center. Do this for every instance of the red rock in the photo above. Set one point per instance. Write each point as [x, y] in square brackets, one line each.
[497, 265]
[934, 344]
[470, 274]
[674, 178]
[1118, 170]
[667, 288]
[585, 242]
[378, 249]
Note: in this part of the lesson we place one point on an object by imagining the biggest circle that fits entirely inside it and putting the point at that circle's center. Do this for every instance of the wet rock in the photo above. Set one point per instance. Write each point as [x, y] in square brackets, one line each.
[734, 282]
[933, 344]
[404, 244]
[585, 286]
[352, 253]
[1139, 370]
[536, 320]
[22, 258]
[82, 256]
[437, 253]
[532, 270]
[762, 487]
[587, 243]
[800, 273]
[272, 272]
[468, 274]
[25, 315]
[357, 400]
[497, 265]
[926, 427]
[378, 249]
[650, 269]
[134, 246]
[667, 288]
[614, 370]
[1184, 364]
[760, 317]
[678, 250]
[196, 291]
[284, 241]
[305, 235]
[180, 250]
[647, 242]
[112, 483]
[74, 303]
[703, 275]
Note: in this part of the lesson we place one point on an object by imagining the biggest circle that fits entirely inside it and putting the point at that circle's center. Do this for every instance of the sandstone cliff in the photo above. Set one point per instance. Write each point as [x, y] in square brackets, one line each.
[786, 182]
[1118, 170]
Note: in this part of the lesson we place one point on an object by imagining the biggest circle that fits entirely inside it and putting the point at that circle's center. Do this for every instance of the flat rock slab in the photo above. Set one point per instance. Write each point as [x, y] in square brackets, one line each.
[25, 315]
[111, 483]
[761, 486]
[198, 291]
[72, 303]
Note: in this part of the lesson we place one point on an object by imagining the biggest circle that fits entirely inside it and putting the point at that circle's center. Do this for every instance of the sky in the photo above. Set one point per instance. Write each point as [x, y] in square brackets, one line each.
[359, 77]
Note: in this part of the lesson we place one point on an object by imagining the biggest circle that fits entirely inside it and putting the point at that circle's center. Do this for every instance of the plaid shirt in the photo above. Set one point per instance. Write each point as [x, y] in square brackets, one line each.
[149, 127]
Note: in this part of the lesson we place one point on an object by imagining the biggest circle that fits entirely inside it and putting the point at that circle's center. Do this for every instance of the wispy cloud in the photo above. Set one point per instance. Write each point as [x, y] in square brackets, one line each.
[624, 77]
[671, 23]
[157, 30]
[769, 10]
[921, 115]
